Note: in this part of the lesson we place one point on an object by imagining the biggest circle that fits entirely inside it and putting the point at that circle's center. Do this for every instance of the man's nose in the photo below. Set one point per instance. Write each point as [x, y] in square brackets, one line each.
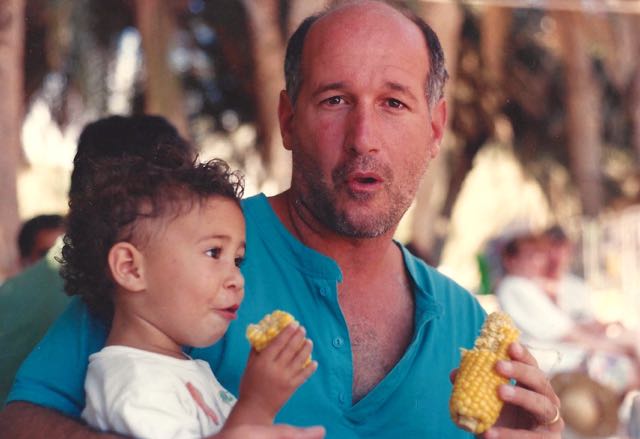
[363, 136]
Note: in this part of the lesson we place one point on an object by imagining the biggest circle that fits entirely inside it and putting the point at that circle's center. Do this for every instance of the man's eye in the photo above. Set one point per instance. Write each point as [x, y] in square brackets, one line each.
[394, 103]
[334, 100]
[214, 252]
[239, 261]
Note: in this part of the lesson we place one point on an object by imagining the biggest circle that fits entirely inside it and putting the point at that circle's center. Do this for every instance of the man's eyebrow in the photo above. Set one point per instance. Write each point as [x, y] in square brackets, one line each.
[391, 85]
[396, 86]
[329, 86]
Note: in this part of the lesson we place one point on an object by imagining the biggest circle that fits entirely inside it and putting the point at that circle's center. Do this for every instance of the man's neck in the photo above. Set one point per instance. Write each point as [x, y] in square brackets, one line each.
[353, 255]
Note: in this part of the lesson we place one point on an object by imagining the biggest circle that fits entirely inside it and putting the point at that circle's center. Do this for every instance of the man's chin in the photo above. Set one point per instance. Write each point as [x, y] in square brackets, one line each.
[363, 224]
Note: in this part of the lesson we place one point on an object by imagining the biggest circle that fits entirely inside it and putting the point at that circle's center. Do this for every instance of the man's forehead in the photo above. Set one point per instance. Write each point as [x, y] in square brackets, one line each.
[364, 38]
[362, 20]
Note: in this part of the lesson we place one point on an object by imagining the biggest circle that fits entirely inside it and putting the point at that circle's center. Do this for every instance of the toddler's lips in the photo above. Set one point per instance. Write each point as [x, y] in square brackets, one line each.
[230, 313]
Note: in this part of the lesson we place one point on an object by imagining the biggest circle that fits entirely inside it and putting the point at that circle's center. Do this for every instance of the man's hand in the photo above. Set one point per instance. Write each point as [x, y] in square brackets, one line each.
[531, 409]
[270, 432]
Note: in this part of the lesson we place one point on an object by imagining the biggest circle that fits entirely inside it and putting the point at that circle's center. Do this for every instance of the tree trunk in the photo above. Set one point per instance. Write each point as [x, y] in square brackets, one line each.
[496, 22]
[634, 104]
[11, 115]
[584, 113]
[635, 112]
[163, 94]
[268, 53]
[426, 237]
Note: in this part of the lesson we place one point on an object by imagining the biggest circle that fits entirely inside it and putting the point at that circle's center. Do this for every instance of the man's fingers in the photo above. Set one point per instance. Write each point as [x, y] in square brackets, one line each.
[528, 377]
[540, 406]
[289, 432]
[533, 391]
[520, 353]
[280, 431]
[506, 433]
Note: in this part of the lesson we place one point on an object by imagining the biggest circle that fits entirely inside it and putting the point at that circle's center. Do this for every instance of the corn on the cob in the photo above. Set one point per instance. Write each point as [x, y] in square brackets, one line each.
[261, 334]
[474, 404]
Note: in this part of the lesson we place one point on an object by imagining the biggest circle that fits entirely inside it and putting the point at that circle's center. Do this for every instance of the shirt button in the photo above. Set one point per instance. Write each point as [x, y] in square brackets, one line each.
[338, 342]
[324, 291]
[341, 397]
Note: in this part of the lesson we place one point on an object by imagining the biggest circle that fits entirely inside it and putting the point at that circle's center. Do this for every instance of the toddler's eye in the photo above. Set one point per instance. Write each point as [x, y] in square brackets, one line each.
[214, 252]
[239, 261]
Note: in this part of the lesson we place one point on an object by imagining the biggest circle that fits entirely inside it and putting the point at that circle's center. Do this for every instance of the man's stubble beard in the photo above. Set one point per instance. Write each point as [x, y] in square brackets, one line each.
[321, 199]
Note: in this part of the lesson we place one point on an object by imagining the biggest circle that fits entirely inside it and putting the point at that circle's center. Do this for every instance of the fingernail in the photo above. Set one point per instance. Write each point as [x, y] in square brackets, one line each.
[313, 432]
[504, 366]
[507, 391]
[491, 434]
[517, 349]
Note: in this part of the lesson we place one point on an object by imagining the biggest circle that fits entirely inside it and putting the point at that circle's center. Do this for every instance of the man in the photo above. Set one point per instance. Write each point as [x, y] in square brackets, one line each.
[363, 115]
[37, 235]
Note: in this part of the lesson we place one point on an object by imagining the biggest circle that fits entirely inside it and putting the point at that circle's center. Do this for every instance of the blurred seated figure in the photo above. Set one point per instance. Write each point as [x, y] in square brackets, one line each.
[29, 303]
[569, 291]
[37, 235]
[552, 309]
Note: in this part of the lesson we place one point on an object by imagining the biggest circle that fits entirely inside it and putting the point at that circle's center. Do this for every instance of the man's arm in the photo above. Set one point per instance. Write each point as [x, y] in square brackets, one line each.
[22, 420]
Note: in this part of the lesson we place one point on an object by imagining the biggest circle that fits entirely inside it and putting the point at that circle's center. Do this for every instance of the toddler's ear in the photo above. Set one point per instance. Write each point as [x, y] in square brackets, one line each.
[125, 264]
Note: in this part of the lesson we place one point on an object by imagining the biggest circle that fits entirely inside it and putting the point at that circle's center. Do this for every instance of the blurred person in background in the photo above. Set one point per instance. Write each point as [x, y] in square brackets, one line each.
[553, 310]
[569, 291]
[37, 235]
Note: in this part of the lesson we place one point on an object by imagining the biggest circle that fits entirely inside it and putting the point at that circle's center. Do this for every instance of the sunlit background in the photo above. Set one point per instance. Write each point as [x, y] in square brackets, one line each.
[543, 99]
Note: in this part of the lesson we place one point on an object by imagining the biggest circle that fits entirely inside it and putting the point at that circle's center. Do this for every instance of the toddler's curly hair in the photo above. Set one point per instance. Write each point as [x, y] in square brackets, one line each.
[125, 192]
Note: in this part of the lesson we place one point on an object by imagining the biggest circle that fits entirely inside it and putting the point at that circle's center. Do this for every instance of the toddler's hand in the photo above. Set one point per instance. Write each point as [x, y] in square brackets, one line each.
[273, 374]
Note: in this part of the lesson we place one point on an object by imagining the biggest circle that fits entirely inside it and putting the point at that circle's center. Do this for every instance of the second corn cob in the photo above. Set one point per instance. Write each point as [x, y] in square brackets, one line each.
[474, 404]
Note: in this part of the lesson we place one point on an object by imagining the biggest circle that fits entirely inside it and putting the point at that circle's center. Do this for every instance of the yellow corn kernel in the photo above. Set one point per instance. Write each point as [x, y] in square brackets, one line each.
[474, 404]
[261, 334]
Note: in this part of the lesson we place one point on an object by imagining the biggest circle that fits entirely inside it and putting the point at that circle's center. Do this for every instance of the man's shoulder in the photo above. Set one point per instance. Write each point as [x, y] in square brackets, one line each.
[250, 204]
[427, 276]
[452, 298]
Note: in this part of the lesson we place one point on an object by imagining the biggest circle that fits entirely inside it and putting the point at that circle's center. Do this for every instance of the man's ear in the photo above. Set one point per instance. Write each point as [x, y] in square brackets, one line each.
[438, 125]
[285, 116]
[125, 264]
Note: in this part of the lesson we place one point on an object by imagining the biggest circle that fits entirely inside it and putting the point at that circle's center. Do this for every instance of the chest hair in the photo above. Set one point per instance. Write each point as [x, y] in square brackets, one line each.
[380, 319]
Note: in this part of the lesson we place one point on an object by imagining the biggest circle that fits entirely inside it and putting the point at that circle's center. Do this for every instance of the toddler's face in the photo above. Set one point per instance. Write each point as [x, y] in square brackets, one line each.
[193, 275]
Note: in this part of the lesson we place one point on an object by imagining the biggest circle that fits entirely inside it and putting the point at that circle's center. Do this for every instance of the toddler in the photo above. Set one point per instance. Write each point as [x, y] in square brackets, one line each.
[154, 248]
